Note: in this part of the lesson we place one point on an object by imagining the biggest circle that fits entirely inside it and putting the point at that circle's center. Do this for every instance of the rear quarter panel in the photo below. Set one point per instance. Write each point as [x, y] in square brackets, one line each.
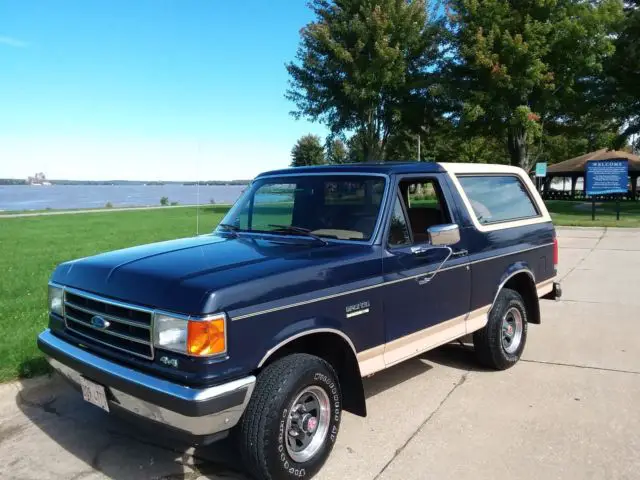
[498, 250]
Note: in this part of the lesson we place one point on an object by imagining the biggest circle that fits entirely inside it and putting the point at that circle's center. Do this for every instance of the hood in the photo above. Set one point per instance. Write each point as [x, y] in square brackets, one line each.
[180, 275]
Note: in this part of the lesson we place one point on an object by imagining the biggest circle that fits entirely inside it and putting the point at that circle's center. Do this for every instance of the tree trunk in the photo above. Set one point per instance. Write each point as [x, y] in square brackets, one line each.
[517, 145]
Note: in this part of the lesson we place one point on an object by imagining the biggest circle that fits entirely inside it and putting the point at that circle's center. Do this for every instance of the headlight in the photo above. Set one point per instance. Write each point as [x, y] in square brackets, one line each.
[198, 337]
[56, 300]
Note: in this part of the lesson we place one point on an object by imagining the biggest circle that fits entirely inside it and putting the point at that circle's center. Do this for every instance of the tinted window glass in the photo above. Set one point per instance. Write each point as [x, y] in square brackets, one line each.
[498, 199]
[399, 231]
[344, 207]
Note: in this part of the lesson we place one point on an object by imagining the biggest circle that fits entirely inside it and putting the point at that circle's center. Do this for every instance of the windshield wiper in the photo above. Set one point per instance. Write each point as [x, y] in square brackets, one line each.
[230, 228]
[299, 230]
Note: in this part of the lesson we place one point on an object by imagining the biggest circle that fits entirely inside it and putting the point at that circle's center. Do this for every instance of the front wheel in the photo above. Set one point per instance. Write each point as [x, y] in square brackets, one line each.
[292, 420]
[501, 342]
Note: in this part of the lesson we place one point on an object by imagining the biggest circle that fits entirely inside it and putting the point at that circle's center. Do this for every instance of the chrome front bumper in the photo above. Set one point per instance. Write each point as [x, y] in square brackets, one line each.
[195, 412]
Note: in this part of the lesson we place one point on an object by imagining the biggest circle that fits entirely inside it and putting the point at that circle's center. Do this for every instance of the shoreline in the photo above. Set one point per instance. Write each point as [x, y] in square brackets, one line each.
[38, 213]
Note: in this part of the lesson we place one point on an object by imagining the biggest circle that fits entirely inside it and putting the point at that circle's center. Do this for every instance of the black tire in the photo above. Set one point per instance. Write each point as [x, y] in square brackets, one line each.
[488, 342]
[261, 431]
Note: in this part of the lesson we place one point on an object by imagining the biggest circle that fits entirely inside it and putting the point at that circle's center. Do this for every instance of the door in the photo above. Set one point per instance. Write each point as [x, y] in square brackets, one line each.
[428, 290]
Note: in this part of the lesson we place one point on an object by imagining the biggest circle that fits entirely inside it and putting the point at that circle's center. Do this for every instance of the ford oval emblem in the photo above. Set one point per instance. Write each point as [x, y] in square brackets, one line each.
[99, 322]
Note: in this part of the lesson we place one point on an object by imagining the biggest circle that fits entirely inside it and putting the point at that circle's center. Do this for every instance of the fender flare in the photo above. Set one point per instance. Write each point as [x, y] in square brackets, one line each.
[530, 296]
[303, 333]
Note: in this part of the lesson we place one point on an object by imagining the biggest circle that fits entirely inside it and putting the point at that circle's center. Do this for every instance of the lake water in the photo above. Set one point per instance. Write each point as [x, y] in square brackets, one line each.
[26, 197]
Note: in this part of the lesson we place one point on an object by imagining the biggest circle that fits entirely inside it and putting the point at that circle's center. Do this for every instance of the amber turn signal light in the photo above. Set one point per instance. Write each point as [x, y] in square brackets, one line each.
[206, 337]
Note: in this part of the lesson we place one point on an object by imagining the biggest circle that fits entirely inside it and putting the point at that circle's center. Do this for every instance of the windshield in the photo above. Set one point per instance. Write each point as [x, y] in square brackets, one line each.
[344, 207]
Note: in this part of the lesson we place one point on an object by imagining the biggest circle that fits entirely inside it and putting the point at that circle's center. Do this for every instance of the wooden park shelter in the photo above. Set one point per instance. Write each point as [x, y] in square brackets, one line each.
[575, 168]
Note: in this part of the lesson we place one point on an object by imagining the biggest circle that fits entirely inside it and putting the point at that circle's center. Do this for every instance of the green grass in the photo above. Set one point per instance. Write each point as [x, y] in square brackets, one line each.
[31, 247]
[578, 214]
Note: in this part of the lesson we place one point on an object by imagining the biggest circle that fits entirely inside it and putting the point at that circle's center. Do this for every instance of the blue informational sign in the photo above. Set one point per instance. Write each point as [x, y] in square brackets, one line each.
[541, 169]
[611, 176]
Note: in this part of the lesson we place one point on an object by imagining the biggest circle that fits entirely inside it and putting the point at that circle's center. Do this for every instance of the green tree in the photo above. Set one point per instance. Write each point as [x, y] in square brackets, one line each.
[307, 151]
[624, 71]
[356, 147]
[337, 151]
[365, 66]
[519, 68]
[450, 141]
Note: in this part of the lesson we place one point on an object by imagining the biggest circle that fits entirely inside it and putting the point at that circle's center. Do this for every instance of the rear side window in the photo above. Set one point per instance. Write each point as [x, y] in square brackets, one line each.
[498, 198]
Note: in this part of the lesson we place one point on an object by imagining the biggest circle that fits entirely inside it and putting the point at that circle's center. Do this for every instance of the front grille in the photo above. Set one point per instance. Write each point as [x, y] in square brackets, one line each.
[122, 327]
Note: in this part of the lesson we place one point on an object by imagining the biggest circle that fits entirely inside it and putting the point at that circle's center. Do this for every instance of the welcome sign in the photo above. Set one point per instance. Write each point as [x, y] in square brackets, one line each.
[605, 177]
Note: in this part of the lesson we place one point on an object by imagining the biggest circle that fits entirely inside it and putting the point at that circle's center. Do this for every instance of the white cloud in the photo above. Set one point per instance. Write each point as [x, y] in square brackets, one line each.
[13, 42]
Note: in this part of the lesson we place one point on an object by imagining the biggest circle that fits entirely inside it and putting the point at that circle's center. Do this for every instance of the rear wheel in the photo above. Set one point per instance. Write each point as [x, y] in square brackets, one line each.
[501, 342]
[292, 419]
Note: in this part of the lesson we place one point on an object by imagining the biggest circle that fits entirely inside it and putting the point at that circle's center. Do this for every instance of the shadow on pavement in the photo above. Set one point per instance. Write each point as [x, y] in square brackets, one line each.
[121, 450]
[394, 376]
[455, 355]
[115, 448]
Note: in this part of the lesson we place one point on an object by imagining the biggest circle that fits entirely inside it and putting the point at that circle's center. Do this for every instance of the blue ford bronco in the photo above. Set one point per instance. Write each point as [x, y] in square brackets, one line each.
[316, 277]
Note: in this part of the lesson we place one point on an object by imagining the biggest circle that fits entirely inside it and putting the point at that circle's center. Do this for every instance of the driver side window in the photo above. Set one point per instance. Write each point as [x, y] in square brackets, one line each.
[426, 206]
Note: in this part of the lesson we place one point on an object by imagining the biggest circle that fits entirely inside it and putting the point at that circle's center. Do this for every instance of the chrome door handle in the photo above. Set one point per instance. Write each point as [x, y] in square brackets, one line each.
[460, 253]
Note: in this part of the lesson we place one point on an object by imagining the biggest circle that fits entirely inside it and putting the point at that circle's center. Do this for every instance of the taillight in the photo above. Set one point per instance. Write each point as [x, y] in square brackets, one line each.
[555, 251]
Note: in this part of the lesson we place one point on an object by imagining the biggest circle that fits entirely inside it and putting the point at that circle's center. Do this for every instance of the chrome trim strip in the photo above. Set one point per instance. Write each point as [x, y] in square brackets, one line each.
[110, 317]
[303, 334]
[109, 332]
[382, 284]
[75, 332]
[305, 302]
[97, 298]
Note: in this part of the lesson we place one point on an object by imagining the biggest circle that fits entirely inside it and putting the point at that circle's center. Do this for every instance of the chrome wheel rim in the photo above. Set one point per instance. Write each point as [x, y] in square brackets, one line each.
[307, 423]
[512, 327]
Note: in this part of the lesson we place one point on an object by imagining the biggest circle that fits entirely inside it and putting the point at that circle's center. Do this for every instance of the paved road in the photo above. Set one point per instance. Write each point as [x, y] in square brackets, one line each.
[569, 410]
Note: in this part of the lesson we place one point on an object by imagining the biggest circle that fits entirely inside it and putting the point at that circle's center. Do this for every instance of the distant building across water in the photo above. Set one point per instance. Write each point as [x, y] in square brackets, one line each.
[39, 179]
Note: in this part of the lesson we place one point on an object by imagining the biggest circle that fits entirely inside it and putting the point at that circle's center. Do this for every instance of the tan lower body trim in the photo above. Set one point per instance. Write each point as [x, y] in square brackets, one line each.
[371, 361]
[545, 287]
[384, 356]
[416, 343]
[478, 319]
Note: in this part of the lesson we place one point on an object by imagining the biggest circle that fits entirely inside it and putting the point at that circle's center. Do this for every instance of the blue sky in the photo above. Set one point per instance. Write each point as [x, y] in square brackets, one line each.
[147, 89]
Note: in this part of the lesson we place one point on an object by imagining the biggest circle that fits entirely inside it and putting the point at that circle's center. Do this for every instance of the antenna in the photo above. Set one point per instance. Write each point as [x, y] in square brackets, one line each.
[198, 207]
[198, 190]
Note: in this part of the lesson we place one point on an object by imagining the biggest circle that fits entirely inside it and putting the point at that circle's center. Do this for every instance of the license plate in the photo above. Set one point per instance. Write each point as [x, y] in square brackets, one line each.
[94, 393]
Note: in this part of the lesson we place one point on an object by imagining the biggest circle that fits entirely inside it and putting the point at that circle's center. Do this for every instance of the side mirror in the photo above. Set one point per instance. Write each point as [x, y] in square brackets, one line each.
[448, 234]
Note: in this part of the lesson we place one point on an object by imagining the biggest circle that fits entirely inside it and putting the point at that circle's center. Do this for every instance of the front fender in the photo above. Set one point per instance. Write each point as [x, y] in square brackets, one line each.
[304, 327]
